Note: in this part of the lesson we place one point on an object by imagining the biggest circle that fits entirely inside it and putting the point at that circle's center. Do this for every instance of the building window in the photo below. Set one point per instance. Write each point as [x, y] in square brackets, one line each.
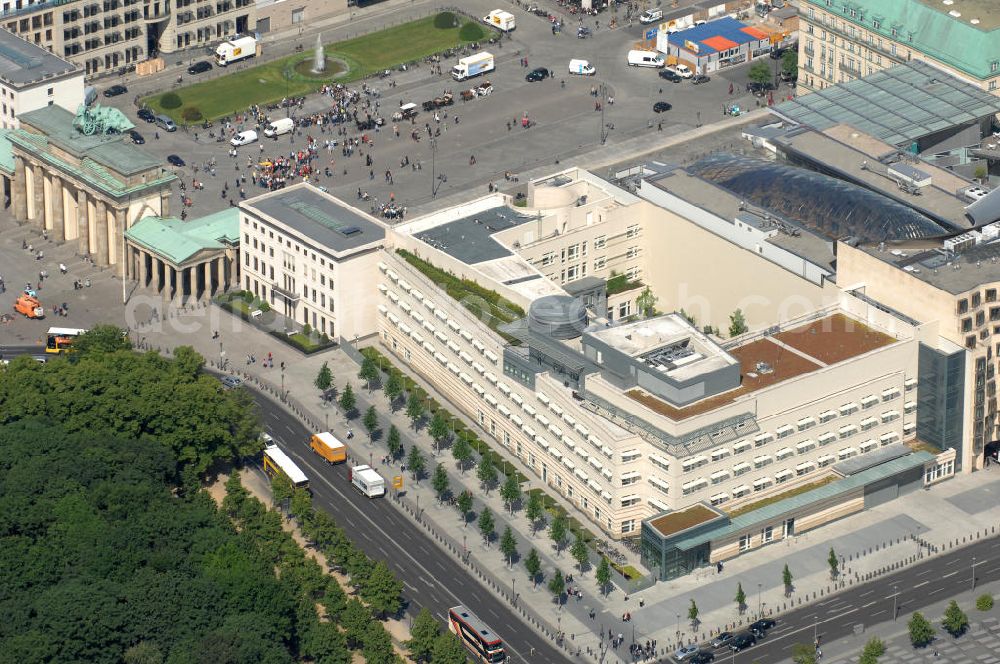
[628, 526]
[744, 542]
[600, 242]
[963, 306]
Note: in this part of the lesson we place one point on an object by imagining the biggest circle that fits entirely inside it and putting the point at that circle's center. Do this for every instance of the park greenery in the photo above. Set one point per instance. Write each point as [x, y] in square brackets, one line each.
[347, 61]
[874, 649]
[955, 622]
[984, 602]
[921, 630]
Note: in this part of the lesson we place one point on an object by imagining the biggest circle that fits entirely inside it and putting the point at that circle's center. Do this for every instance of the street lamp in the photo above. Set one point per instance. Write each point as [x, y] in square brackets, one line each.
[678, 627]
[974, 563]
[758, 600]
[895, 594]
[513, 595]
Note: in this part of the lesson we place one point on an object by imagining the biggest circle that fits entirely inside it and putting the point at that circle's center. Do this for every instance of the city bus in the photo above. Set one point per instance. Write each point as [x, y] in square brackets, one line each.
[60, 339]
[476, 635]
[277, 462]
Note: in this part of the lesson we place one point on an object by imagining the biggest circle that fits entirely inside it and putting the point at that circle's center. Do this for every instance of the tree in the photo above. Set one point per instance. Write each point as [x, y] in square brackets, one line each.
[438, 429]
[281, 489]
[368, 372]
[448, 650]
[392, 440]
[533, 566]
[300, 506]
[486, 472]
[790, 64]
[378, 645]
[414, 409]
[741, 598]
[423, 633]
[693, 612]
[534, 510]
[955, 622]
[486, 525]
[984, 602]
[462, 452]
[347, 400]
[603, 575]
[415, 460]
[646, 302]
[393, 386]
[557, 531]
[803, 653]
[760, 73]
[737, 323]
[370, 421]
[508, 545]
[440, 481]
[324, 379]
[833, 562]
[355, 619]
[786, 578]
[144, 652]
[464, 502]
[874, 649]
[510, 492]
[381, 590]
[557, 585]
[579, 551]
[102, 339]
[921, 631]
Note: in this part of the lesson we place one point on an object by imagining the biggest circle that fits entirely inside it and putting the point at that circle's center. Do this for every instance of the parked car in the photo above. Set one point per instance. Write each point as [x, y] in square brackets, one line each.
[670, 75]
[763, 624]
[702, 657]
[661, 106]
[146, 115]
[757, 632]
[698, 79]
[174, 160]
[231, 382]
[722, 639]
[777, 53]
[115, 90]
[539, 74]
[683, 71]
[684, 652]
[742, 642]
[760, 89]
[136, 137]
[583, 32]
[200, 67]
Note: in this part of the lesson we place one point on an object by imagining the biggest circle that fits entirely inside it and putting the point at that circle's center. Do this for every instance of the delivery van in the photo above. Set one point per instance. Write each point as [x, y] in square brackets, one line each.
[279, 127]
[582, 68]
[645, 59]
[327, 446]
[651, 16]
[366, 480]
[243, 138]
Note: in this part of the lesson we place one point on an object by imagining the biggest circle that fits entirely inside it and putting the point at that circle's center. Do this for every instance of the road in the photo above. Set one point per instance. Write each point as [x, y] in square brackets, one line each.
[384, 533]
[868, 604]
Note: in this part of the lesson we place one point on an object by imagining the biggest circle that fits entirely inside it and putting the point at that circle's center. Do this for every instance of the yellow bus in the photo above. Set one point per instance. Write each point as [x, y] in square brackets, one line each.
[277, 462]
[60, 339]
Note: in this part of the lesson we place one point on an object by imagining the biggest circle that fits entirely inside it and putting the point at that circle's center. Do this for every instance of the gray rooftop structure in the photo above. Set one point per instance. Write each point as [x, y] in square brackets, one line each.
[470, 239]
[23, 64]
[956, 271]
[899, 105]
[319, 217]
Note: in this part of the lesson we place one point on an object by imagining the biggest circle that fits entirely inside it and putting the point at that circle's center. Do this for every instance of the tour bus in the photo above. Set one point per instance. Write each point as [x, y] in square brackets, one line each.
[476, 635]
[277, 462]
[60, 339]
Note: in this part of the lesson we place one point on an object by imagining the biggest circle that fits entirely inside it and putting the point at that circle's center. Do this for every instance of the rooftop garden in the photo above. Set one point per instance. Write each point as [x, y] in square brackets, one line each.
[770, 500]
[676, 522]
[620, 283]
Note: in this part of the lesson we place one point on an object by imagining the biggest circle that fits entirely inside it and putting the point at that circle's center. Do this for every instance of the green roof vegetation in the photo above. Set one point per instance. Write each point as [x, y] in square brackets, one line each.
[676, 522]
[757, 504]
[620, 283]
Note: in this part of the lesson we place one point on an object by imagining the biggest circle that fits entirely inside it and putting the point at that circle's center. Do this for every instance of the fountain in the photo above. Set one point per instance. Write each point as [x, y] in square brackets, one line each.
[319, 59]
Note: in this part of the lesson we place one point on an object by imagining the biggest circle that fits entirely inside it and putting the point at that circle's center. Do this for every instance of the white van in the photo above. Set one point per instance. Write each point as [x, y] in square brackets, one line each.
[651, 16]
[243, 138]
[582, 68]
[279, 127]
[645, 59]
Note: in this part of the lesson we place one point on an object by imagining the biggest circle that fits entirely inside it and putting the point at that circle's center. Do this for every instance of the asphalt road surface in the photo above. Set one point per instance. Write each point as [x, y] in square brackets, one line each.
[868, 604]
[430, 577]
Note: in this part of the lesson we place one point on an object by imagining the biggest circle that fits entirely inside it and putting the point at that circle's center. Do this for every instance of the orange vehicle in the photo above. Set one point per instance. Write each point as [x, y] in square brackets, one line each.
[328, 447]
[29, 306]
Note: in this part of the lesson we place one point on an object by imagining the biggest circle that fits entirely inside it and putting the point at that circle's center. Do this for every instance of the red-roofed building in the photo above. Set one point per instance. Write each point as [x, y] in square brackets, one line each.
[724, 42]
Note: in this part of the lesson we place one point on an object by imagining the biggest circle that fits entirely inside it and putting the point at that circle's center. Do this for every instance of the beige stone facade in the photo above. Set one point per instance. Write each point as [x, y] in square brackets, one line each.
[281, 15]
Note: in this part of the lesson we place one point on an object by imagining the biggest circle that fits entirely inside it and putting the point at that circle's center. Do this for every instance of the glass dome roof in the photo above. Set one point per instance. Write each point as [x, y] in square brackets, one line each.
[826, 205]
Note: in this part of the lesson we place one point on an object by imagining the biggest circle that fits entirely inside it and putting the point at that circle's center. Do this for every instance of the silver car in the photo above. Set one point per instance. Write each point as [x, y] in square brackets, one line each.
[684, 652]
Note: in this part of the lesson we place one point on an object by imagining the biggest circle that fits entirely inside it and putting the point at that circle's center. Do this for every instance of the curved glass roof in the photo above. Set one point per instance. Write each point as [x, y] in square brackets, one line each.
[819, 202]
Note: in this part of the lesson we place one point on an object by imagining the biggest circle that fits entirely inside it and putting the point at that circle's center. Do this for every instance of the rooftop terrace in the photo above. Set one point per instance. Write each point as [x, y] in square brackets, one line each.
[834, 339]
[675, 522]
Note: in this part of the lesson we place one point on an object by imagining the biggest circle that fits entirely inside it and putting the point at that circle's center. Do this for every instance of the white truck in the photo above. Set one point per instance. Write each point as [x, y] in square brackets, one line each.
[279, 127]
[366, 480]
[473, 65]
[234, 50]
[501, 20]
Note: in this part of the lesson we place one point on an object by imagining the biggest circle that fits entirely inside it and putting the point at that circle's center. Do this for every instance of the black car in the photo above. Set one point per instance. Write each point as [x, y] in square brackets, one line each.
[200, 67]
[538, 11]
[115, 90]
[174, 160]
[670, 75]
[136, 137]
[661, 106]
[698, 79]
[777, 53]
[757, 632]
[722, 639]
[742, 642]
[702, 657]
[763, 624]
[583, 32]
[539, 74]
[760, 89]
[146, 114]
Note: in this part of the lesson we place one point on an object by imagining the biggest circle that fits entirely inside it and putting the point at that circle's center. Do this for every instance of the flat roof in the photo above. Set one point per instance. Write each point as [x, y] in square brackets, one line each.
[834, 339]
[898, 105]
[470, 238]
[317, 215]
[718, 35]
[984, 12]
[954, 272]
[23, 63]
[675, 522]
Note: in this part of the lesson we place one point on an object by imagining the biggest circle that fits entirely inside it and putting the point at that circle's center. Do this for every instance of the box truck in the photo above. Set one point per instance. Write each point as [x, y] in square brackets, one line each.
[367, 481]
[474, 65]
[235, 50]
[501, 20]
[327, 446]
[279, 127]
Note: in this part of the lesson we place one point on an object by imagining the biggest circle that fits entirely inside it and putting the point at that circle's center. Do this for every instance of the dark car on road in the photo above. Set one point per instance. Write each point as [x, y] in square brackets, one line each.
[759, 89]
[722, 639]
[136, 137]
[698, 79]
[777, 53]
[661, 106]
[583, 32]
[670, 75]
[115, 90]
[231, 382]
[146, 115]
[702, 657]
[174, 160]
[763, 625]
[742, 642]
[539, 74]
[200, 67]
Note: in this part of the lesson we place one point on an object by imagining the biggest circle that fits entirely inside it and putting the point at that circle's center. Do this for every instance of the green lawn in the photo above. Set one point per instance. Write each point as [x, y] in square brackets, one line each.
[271, 82]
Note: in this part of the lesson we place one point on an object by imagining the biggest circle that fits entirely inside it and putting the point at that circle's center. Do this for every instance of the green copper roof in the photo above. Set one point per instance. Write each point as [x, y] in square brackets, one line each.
[6, 153]
[177, 241]
[927, 27]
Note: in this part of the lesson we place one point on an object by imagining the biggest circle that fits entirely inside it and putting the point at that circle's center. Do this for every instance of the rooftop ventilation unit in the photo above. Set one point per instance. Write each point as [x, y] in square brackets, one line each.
[908, 177]
[960, 242]
[763, 368]
[973, 193]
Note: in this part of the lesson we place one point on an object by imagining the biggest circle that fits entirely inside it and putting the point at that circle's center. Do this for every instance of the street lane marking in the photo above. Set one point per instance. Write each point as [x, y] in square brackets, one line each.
[950, 574]
[865, 606]
[866, 594]
[922, 583]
